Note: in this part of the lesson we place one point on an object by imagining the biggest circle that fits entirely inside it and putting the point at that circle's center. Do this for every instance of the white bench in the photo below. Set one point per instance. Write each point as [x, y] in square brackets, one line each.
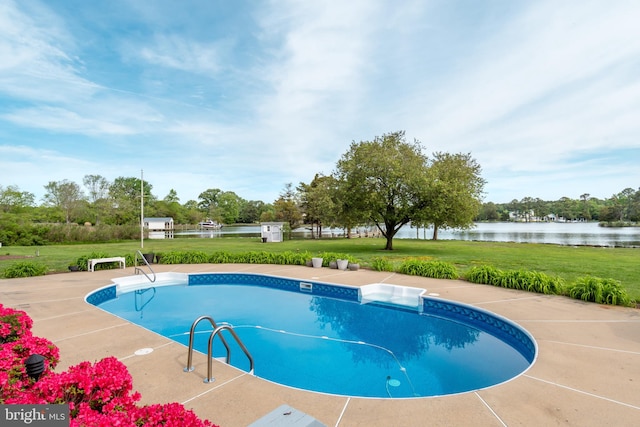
[92, 262]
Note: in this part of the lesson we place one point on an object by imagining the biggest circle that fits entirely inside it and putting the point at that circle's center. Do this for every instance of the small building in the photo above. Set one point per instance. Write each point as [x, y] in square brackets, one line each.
[271, 231]
[159, 228]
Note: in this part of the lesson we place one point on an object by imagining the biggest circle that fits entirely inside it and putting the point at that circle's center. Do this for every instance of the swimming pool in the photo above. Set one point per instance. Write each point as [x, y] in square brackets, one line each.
[367, 342]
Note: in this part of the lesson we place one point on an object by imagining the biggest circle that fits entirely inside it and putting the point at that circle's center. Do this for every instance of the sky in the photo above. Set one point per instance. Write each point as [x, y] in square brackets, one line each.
[247, 96]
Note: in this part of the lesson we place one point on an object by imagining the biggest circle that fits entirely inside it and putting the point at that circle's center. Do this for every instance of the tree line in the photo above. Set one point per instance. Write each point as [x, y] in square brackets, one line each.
[620, 209]
[385, 183]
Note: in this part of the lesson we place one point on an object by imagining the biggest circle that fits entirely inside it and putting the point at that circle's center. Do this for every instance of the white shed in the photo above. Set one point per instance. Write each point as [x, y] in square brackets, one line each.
[159, 228]
[271, 231]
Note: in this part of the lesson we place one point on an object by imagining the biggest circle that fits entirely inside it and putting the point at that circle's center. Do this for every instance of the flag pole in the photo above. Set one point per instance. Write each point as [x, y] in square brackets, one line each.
[141, 208]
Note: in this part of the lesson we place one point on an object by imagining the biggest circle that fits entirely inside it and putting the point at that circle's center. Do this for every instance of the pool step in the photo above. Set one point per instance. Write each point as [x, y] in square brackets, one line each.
[285, 415]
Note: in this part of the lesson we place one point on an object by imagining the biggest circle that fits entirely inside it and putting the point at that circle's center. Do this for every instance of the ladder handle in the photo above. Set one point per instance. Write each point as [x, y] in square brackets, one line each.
[189, 367]
[238, 340]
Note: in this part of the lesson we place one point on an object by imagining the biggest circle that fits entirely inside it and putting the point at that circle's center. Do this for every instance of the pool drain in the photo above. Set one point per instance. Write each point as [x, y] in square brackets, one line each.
[394, 383]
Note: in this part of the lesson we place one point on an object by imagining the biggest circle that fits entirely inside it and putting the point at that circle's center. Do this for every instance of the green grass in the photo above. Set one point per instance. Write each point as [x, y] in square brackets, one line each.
[567, 262]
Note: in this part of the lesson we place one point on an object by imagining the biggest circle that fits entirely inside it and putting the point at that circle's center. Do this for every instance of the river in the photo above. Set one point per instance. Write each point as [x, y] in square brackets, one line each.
[571, 234]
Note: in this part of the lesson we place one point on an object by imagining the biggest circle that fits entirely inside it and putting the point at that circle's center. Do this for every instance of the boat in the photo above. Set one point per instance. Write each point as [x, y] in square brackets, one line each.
[210, 225]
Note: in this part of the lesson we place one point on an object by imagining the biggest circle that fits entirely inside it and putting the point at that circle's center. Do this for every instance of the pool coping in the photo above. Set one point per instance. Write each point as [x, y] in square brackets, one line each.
[587, 370]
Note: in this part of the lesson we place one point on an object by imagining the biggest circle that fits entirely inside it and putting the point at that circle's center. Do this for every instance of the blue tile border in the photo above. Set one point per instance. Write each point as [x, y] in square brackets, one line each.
[102, 295]
[291, 285]
[497, 326]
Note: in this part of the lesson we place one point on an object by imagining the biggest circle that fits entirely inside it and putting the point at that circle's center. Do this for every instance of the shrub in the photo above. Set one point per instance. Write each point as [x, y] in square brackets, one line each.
[601, 291]
[433, 269]
[484, 274]
[381, 264]
[97, 394]
[25, 269]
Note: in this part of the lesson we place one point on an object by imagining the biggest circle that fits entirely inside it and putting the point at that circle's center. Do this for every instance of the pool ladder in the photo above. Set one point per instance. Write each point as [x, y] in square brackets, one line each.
[216, 330]
[139, 270]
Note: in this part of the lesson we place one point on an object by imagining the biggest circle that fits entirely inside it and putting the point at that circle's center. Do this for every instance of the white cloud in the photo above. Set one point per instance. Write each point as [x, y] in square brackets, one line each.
[535, 91]
[173, 51]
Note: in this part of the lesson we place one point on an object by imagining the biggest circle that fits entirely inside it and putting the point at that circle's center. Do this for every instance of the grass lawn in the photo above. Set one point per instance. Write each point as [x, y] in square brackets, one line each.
[568, 262]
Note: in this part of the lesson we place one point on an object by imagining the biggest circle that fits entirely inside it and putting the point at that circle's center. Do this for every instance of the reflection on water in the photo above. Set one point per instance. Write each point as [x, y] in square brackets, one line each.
[581, 233]
[412, 337]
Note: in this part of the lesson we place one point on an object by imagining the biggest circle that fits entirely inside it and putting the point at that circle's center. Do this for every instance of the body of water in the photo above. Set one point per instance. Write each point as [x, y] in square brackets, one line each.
[559, 233]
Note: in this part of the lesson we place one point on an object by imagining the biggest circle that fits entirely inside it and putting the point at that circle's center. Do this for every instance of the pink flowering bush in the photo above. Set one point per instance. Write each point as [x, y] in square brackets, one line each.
[16, 344]
[98, 394]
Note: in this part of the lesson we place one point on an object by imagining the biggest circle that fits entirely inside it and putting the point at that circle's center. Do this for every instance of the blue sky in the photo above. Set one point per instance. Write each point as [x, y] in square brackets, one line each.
[247, 96]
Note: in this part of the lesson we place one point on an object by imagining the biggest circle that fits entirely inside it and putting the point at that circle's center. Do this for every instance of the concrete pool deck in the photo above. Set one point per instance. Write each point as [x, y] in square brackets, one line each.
[587, 372]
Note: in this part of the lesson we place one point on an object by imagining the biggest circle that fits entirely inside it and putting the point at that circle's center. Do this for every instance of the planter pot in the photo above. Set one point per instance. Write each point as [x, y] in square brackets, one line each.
[333, 264]
[316, 262]
[149, 257]
[74, 268]
[343, 264]
[354, 267]
[308, 263]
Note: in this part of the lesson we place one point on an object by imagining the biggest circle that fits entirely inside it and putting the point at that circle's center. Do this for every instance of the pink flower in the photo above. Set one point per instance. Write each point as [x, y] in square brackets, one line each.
[98, 394]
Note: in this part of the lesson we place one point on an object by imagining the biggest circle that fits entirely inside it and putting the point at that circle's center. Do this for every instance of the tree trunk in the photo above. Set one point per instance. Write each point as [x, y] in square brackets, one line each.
[389, 246]
[435, 232]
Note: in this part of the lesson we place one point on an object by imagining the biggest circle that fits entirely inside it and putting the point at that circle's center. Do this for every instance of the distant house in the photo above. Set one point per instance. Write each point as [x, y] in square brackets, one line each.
[271, 231]
[159, 228]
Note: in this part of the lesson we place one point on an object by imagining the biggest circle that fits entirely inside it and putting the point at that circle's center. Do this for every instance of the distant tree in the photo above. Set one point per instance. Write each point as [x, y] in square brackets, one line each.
[172, 197]
[317, 201]
[268, 214]
[98, 192]
[489, 212]
[229, 207]
[250, 211]
[15, 201]
[625, 199]
[585, 207]
[383, 182]
[454, 192]
[209, 200]
[169, 206]
[97, 187]
[124, 195]
[64, 195]
[287, 208]
[192, 215]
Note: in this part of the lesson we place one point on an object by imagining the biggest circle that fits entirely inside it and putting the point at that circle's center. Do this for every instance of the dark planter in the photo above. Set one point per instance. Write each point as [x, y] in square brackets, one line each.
[74, 268]
[149, 257]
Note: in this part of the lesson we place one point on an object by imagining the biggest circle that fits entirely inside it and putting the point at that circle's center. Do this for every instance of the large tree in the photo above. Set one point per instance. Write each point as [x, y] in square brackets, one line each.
[454, 192]
[383, 182]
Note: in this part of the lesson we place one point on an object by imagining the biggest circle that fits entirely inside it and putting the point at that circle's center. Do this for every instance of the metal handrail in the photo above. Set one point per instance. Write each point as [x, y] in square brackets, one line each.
[140, 270]
[190, 367]
[210, 351]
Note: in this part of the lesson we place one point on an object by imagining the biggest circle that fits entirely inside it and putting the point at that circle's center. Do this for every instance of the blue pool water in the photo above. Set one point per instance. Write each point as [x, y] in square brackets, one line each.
[325, 340]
